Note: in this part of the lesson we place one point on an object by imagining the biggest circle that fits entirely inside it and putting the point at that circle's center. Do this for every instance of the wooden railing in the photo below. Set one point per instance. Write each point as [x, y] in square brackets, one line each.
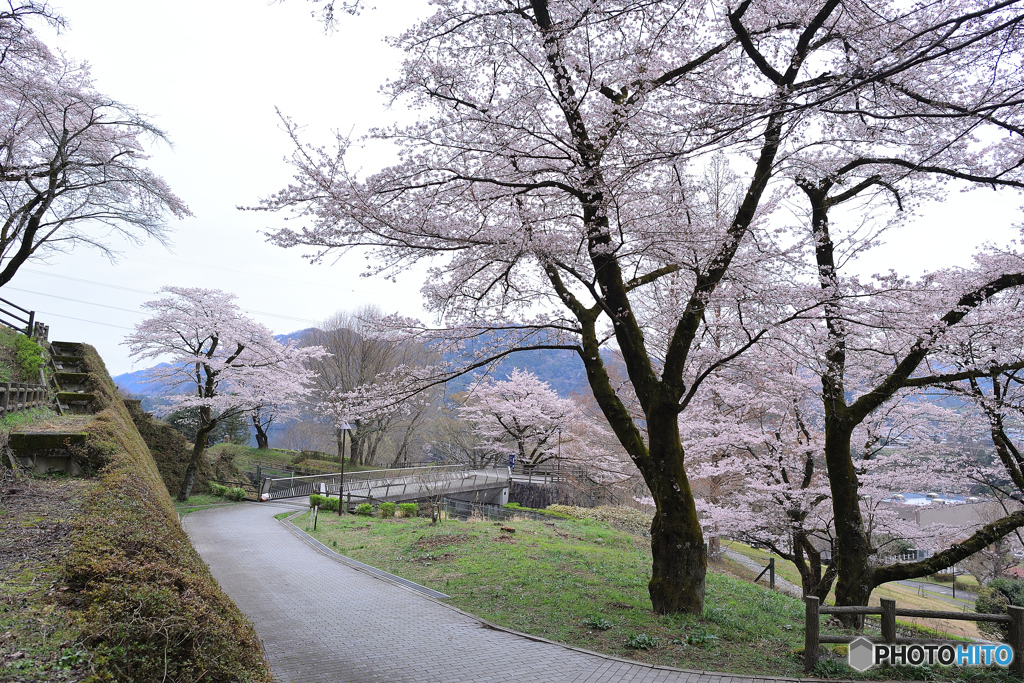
[17, 397]
[15, 321]
[888, 612]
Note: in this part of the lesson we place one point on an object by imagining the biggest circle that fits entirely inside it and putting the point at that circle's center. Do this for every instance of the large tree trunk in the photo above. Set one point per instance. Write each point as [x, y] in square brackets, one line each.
[354, 448]
[854, 584]
[261, 434]
[206, 425]
[677, 542]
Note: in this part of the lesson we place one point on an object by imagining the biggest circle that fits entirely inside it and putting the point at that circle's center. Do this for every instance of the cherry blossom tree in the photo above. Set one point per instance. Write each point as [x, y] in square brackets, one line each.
[520, 414]
[72, 167]
[557, 174]
[226, 363]
[758, 440]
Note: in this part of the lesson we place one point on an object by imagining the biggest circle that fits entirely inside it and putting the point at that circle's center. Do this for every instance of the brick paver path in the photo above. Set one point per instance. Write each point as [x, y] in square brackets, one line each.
[321, 620]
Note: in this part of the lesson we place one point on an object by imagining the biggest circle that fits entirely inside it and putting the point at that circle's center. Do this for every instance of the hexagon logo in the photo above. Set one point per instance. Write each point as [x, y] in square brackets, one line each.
[861, 654]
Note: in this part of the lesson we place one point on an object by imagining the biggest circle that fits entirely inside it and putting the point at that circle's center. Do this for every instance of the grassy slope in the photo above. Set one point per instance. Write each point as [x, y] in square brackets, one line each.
[557, 579]
[904, 596]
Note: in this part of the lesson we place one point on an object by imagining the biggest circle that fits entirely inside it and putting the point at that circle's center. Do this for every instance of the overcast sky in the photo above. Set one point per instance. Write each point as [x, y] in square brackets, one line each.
[211, 74]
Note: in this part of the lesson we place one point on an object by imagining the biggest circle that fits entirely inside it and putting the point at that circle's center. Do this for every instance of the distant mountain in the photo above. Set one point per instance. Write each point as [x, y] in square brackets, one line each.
[563, 370]
[136, 384]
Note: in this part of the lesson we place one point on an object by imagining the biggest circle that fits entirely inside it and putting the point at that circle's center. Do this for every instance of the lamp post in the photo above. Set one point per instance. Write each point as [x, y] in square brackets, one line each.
[559, 456]
[344, 427]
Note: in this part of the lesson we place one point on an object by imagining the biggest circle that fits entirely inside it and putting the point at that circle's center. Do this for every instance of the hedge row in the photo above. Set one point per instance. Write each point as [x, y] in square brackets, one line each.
[384, 509]
[147, 605]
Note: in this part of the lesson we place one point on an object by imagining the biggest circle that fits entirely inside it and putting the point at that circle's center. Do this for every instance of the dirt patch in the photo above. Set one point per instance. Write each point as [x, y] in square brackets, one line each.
[430, 559]
[36, 636]
[620, 605]
[59, 423]
[504, 538]
[440, 540]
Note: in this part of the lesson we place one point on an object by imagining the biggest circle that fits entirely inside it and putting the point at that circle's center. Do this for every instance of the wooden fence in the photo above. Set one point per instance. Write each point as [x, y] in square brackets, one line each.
[889, 612]
[17, 397]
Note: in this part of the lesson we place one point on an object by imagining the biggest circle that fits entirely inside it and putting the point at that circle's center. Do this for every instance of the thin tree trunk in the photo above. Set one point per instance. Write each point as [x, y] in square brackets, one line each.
[207, 425]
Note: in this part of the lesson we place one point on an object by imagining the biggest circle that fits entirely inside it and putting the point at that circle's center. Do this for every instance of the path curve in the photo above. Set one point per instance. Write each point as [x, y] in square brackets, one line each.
[321, 620]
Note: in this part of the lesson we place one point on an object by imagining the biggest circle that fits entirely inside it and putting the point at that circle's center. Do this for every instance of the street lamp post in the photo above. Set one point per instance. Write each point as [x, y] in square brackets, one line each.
[344, 426]
[559, 457]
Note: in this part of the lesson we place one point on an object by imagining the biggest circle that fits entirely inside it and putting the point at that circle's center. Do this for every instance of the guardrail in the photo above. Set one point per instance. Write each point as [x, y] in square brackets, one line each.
[16, 397]
[888, 612]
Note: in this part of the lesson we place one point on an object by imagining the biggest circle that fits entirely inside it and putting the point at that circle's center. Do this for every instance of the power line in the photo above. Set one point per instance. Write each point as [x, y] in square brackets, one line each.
[83, 320]
[91, 282]
[77, 301]
[142, 291]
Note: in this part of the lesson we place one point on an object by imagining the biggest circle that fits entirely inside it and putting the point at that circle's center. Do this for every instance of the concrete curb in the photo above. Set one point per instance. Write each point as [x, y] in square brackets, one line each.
[430, 594]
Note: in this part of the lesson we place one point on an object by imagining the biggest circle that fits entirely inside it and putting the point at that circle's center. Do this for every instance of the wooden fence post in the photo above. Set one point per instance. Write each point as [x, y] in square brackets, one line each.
[5, 401]
[810, 633]
[888, 620]
[1017, 638]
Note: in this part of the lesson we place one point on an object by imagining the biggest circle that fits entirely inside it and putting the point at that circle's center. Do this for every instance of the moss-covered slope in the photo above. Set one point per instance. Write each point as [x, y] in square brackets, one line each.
[150, 609]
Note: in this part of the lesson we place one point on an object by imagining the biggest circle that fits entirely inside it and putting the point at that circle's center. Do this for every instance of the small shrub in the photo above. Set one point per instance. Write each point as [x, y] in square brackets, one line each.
[216, 489]
[29, 357]
[598, 623]
[641, 641]
[387, 509]
[324, 503]
[409, 509]
[364, 509]
[237, 493]
[993, 599]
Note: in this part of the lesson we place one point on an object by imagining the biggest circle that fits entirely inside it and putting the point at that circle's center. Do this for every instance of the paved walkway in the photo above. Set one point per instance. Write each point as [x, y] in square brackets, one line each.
[755, 566]
[322, 620]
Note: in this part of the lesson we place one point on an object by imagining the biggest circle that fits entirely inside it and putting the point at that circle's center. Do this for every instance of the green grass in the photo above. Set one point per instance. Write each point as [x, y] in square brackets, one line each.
[201, 501]
[584, 583]
[585, 573]
[18, 420]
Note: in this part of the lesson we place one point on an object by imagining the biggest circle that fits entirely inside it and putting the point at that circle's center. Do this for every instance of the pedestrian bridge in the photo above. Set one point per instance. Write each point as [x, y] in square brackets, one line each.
[390, 485]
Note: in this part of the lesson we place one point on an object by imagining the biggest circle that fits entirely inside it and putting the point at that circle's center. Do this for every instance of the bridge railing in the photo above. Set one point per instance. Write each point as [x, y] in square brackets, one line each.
[382, 483]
